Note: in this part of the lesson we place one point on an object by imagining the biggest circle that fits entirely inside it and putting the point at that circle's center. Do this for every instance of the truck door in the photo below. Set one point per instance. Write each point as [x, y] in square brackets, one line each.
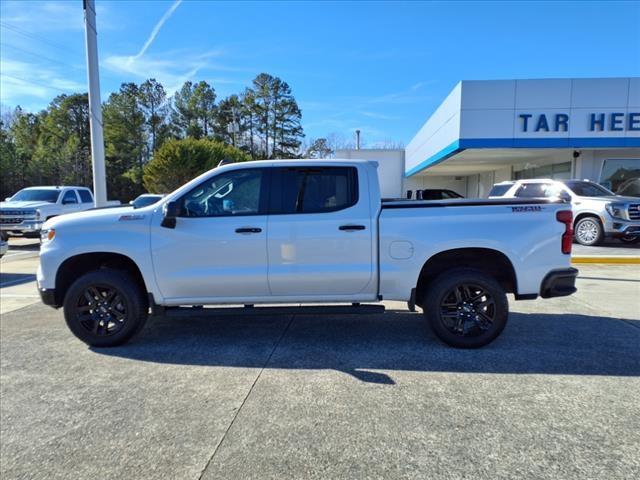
[70, 202]
[218, 248]
[320, 232]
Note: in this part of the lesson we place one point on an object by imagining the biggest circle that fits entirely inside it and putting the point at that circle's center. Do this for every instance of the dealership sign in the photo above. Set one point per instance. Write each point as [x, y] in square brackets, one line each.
[594, 122]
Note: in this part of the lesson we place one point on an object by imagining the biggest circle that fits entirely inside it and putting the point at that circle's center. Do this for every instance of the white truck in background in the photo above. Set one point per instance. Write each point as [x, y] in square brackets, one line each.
[25, 212]
[303, 231]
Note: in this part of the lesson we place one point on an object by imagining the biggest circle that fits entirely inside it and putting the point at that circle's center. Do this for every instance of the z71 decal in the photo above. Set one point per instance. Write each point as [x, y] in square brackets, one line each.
[528, 208]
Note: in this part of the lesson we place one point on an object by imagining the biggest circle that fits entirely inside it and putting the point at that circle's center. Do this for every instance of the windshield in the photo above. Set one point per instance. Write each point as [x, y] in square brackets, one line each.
[50, 196]
[588, 189]
[499, 190]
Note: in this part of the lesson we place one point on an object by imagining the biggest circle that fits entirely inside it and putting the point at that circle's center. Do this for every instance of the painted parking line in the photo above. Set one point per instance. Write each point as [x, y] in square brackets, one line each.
[614, 260]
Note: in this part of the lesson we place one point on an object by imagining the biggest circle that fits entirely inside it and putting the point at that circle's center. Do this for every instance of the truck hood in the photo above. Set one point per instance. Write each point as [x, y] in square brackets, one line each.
[24, 204]
[89, 218]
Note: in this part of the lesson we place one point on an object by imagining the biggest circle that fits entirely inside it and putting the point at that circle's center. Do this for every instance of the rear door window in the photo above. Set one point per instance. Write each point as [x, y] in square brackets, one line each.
[313, 189]
[85, 196]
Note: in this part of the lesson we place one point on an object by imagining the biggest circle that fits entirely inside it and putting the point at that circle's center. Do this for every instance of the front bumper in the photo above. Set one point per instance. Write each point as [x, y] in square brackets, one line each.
[26, 226]
[559, 283]
[619, 227]
[48, 297]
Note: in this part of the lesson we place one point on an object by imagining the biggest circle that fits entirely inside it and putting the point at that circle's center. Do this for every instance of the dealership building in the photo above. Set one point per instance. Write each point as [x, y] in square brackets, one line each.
[485, 132]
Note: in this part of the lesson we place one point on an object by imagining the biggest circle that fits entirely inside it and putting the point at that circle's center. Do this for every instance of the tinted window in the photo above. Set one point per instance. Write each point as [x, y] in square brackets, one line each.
[85, 196]
[534, 190]
[313, 190]
[588, 189]
[499, 190]
[233, 193]
[69, 197]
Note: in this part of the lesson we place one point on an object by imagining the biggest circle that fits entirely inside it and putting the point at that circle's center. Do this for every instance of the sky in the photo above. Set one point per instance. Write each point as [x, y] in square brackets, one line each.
[381, 67]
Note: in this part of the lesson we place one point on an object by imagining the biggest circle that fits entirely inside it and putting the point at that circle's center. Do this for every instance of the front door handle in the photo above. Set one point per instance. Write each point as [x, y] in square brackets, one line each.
[350, 228]
[248, 230]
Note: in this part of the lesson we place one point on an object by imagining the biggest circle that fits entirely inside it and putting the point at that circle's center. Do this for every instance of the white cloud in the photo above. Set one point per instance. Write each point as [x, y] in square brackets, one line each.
[158, 26]
[21, 79]
[49, 16]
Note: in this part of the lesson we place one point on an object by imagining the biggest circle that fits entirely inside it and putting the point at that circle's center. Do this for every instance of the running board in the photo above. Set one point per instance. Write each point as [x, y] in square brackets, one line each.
[356, 309]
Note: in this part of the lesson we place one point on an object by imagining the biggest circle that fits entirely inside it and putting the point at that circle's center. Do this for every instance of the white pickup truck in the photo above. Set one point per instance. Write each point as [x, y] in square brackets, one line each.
[27, 210]
[303, 232]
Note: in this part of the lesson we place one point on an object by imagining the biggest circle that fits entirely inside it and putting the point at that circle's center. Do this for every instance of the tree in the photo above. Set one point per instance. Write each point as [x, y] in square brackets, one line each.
[125, 142]
[319, 148]
[278, 117]
[194, 109]
[178, 161]
[63, 152]
[229, 117]
[153, 98]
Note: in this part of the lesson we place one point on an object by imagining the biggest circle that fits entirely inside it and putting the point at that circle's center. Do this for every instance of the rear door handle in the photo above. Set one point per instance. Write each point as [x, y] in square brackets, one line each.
[248, 230]
[349, 228]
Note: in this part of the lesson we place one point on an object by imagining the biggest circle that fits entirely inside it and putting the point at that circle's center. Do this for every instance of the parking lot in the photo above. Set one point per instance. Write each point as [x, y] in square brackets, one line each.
[556, 396]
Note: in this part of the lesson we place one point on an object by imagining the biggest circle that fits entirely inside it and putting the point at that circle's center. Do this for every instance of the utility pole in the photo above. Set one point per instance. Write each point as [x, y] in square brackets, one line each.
[95, 107]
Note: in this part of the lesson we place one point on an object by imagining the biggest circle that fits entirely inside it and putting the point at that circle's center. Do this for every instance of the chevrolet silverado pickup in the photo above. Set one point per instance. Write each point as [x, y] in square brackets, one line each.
[28, 209]
[303, 232]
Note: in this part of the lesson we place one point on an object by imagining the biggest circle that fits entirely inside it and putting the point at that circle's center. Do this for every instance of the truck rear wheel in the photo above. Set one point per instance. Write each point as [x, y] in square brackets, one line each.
[105, 308]
[466, 308]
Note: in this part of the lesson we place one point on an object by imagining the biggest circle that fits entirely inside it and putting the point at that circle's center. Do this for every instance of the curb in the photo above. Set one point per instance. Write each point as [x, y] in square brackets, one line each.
[611, 260]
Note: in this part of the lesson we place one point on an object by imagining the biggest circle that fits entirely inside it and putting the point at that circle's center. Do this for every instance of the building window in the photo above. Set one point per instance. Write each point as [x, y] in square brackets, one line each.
[556, 171]
[620, 175]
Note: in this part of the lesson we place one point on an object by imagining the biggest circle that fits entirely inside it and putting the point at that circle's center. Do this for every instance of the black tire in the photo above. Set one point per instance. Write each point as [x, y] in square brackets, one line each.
[466, 322]
[121, 307]
[630, 239]
[588, 231]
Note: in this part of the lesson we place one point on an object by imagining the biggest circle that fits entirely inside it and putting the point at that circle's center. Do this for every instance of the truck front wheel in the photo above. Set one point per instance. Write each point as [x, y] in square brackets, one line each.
[105, 308]
[466, 308]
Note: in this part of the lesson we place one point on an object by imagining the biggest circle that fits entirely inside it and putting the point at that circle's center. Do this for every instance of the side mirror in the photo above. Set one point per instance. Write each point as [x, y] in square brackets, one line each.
[565, 196]
[68, 202]
[170, 213]
[130, 202]
[8, 199]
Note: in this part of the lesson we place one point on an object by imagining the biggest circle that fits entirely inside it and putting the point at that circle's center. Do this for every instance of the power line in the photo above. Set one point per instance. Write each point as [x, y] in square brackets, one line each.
[2, 74]
[42, 56]
[38, 37]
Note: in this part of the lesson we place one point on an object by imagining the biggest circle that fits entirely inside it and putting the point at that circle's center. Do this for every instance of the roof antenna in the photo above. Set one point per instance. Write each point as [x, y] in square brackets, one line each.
[357, 139]
[225, 161]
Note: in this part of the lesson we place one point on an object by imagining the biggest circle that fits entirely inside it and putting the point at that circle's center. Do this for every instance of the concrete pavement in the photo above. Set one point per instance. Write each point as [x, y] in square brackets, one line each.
[331, 397]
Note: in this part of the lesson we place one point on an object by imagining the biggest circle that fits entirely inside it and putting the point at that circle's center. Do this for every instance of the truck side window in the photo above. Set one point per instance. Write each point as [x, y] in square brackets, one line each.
[533, 190]
[233, 193]
[85, 196]
[313, 189]
[69, 197]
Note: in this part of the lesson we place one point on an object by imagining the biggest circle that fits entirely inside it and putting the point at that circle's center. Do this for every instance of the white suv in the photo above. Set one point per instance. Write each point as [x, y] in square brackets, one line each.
[597, 212]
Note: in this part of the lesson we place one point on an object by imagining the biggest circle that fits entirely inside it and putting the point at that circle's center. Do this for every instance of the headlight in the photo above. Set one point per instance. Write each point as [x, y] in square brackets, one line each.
[38, 214]
[48, 234]
[616, 210]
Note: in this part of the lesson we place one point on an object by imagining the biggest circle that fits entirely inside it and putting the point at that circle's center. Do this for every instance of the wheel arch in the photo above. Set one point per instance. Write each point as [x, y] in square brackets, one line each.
[487, 260]
[586, 214]
[77, 265]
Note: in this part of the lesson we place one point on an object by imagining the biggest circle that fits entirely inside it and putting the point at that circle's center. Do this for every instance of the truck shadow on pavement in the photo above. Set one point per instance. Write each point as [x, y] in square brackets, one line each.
[361, 346]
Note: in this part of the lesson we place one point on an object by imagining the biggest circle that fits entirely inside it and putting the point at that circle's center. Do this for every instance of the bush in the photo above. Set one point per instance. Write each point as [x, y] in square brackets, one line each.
[178, 161]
